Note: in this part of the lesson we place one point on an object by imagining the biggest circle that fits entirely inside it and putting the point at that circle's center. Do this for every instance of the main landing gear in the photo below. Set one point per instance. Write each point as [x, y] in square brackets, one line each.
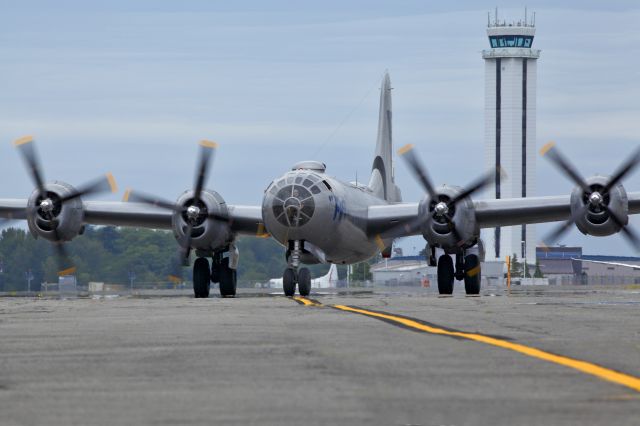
[292, 275]
[467, 268]
[220, 272]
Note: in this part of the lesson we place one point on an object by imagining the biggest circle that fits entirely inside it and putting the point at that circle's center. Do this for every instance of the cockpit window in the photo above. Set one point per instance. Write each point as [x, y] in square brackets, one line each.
[293, 205]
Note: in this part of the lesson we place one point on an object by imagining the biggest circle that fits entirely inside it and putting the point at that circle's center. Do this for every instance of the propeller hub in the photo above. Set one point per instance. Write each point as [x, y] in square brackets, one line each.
[596, 199]
[193, 212]
[441, 208]
[47, 205]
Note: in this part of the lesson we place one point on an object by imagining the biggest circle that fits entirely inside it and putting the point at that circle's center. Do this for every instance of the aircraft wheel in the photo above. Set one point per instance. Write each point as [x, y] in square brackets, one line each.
[201, 278]
[289, 282]
[472, 275]
[445, 274]
[228, 279]
[304, 282]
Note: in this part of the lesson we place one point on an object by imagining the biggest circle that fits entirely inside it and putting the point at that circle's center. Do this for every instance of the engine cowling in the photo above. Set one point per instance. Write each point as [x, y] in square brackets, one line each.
[449, 226]
[589, 212]
[48, 215]
[206, 234]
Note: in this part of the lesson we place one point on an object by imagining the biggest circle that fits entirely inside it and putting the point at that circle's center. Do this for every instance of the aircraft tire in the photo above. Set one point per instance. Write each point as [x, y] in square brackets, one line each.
[445, 274]
[228, 279]
[289, 282]
[304, 282]
[201, 278]
[472, 275]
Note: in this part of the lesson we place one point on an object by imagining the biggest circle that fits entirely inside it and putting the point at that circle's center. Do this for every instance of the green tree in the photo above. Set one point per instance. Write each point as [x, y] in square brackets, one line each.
[538, 272]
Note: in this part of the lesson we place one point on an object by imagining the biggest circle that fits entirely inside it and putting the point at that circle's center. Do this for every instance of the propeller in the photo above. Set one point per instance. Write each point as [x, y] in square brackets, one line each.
[443, 207]
[47, 204]
[595, 197]
[196, 208]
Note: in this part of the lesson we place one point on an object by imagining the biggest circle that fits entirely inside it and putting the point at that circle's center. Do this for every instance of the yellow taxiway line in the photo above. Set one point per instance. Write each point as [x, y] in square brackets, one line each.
[306, 302]
[576, 364]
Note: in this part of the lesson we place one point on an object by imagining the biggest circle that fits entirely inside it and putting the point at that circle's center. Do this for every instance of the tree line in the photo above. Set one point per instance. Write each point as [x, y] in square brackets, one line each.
[109, 254]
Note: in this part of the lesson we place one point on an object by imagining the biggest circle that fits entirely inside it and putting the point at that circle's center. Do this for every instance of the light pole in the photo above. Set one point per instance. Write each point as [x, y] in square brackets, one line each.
[132, 277]
[29, 277]
[524, 259]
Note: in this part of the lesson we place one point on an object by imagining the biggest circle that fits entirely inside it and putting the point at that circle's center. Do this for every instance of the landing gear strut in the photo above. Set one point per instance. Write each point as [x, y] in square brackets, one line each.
[292, 275]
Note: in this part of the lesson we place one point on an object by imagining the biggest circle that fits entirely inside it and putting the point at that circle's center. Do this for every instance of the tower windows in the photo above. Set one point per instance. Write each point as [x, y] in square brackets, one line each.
[511, 41]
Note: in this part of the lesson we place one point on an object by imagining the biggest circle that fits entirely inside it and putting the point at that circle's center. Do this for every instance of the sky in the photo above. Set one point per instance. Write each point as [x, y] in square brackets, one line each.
[130, 87]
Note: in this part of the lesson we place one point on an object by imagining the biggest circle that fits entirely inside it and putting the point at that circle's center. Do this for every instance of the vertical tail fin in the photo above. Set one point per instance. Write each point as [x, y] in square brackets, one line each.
[382, 181]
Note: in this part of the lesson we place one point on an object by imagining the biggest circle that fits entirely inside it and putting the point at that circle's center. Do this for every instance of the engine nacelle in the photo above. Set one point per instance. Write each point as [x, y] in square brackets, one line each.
[438, 230]
[47, 215]
[206, 234]
[596, 220]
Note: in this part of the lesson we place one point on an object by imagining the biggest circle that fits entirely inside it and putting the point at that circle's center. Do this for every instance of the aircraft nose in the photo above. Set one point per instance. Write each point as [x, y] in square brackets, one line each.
[293, 205]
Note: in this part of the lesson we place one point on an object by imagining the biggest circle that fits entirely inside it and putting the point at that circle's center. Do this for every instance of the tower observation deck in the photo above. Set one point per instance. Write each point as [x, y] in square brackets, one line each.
[510, 127]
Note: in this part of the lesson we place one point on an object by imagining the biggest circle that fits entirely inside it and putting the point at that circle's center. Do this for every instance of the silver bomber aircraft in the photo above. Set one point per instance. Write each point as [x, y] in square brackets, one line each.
[320, 219]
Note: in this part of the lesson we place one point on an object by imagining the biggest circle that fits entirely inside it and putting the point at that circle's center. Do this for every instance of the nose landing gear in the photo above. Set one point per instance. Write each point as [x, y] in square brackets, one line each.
[292, 275]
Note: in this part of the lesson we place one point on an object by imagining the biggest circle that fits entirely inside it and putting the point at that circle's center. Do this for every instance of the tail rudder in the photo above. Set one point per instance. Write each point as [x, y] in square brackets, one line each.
[382, 179]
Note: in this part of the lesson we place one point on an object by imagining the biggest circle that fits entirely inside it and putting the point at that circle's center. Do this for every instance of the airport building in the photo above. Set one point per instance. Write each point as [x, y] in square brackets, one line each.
[510, 128]
[568, 265]
[403, 270]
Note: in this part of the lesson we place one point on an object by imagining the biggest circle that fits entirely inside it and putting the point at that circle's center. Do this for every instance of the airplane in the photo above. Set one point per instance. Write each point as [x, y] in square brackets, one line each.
[320, 219]
[330, 279]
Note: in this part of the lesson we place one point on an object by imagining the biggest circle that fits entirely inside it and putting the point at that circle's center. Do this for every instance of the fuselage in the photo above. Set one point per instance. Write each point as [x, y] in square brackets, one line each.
[309, 206]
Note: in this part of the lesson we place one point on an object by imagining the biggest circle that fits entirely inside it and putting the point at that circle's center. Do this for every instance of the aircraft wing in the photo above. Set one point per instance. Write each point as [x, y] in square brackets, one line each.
[520, 211]
[399, 220]
[243, 219]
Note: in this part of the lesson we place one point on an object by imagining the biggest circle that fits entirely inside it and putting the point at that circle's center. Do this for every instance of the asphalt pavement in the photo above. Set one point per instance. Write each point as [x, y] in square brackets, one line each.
[392, 356]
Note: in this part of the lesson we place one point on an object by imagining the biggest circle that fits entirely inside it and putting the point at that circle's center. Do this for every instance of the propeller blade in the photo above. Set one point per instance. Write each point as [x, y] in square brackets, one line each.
[627, 232]
[185, 245]
[631, 163]
[206, 152]
[554, 235]
[477, 185]
[26, 147]
[65, 264]
[454, 231]
[101, 184]
[553, 154]
[402, 229]
[418, 169]
[140, 197]
[557, 232]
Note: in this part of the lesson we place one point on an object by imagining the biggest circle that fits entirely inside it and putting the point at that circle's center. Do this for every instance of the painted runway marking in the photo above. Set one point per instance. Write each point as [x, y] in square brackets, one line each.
[585, 367]
[306, 301]
[582, 366]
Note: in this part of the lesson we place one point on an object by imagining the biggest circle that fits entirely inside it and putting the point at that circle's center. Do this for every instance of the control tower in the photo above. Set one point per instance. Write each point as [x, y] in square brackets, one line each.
[510, 127]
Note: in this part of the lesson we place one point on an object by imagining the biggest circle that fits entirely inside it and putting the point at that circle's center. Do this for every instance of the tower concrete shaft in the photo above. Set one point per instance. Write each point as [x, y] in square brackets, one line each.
[510, 129]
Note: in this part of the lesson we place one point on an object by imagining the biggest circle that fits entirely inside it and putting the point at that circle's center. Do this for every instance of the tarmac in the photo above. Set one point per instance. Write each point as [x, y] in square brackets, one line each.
[388, 356]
